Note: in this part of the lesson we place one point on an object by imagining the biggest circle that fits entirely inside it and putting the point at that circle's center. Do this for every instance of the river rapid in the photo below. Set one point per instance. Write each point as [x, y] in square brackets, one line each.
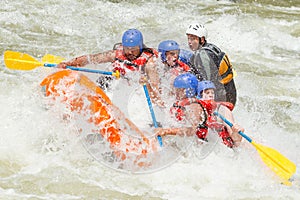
[41, 157]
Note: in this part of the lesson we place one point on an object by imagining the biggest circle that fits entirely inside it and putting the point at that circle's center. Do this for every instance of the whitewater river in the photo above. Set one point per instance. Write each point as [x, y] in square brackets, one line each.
[41, 157]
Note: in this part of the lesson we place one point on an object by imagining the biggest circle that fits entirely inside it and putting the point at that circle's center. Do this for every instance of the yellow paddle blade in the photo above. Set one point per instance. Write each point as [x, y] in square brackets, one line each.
[20, 61]
[279, 164]
[48, 58]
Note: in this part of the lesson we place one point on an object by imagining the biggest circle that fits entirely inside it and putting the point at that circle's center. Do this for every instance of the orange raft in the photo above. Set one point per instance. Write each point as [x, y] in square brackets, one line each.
[85, 99]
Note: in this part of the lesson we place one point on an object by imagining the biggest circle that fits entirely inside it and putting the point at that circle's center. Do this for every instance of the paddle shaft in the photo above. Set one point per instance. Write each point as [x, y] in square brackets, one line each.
[152, 113]
[150, 106]
[230, 124]
[81, 69]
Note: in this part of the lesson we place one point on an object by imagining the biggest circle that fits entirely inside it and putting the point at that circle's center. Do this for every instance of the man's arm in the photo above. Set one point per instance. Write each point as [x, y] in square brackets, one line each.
[183, 131]
[108, 56]
[153, 84]
[233, 131]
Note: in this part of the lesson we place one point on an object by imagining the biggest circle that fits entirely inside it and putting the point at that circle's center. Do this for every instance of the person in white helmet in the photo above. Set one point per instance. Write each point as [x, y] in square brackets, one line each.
[210, 63]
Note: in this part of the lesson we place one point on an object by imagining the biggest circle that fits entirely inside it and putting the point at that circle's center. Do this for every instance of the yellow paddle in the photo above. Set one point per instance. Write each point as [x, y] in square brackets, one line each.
[283, 167]
[22, 61]
[48, 58]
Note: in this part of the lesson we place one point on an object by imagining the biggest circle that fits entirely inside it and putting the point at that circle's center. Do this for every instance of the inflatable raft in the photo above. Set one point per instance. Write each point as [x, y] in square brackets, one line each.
[105, 131]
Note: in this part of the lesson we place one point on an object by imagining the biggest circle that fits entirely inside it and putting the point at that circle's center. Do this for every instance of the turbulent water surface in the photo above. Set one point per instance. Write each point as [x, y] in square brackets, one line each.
[41, 157]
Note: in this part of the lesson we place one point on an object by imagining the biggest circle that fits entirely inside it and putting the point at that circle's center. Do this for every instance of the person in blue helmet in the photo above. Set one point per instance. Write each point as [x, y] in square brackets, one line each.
[206, 91]
[185, 56]
[169, 53]
[186, 86]
[132, 55]
[199, 112]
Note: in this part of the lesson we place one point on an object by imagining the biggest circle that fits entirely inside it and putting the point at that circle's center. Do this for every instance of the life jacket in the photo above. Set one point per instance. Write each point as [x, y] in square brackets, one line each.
[222, 62]
[209, 120]
[210, 63]
[179, 68]
[183, 66]
[123, 65]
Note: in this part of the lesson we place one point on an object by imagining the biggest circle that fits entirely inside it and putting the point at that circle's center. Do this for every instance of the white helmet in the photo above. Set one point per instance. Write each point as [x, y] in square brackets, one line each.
[197, 29]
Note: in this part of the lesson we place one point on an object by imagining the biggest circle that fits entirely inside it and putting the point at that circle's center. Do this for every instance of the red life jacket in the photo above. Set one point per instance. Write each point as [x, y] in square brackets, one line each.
[209, 120]
[123, 65]
[184, 66]
[179, 68]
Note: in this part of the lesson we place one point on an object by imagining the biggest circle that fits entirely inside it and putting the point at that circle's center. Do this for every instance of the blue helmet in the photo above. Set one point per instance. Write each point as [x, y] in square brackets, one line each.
[167, 45]
[185, 56]
[187, 81]
[204, 85]
[132, 38]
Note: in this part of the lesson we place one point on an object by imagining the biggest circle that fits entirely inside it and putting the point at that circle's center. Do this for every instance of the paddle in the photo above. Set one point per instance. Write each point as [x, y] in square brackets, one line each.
[152, 113]
[48, 58]
[22, 61]
[279, 164]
